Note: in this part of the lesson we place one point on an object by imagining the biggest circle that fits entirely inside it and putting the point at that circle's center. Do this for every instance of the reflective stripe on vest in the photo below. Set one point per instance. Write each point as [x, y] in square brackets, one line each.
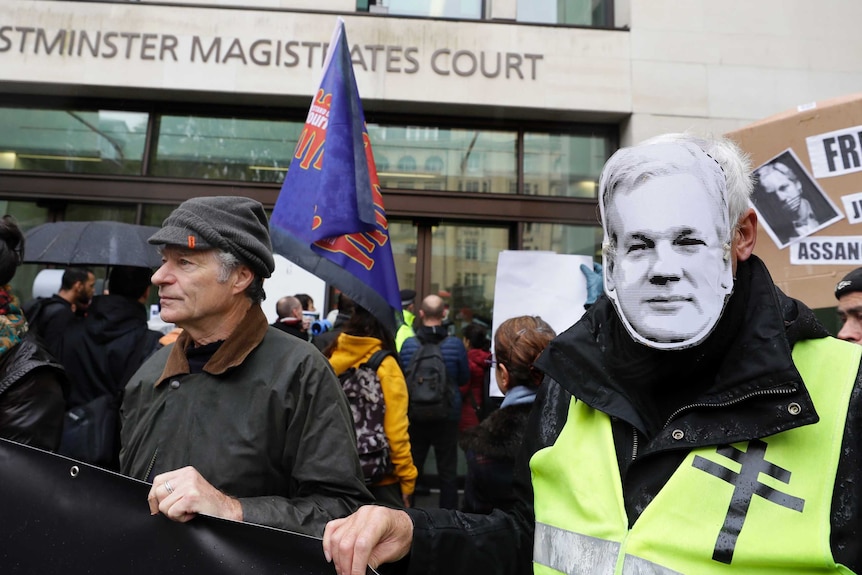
[761, 506]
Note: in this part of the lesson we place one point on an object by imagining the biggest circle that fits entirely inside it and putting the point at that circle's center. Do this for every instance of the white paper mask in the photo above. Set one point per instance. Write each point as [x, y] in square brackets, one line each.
[667, 264]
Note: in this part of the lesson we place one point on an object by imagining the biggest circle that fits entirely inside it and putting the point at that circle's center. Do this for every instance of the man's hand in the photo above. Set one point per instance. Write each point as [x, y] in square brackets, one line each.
[595, 282]
[183, 493]
[371, 536]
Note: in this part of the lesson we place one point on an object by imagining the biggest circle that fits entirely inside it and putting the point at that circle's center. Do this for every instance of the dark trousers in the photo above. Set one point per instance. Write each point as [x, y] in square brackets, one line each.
[443, 437]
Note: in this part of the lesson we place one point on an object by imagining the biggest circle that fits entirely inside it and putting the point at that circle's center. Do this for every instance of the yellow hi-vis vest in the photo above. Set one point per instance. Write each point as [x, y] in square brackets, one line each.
[761, 506]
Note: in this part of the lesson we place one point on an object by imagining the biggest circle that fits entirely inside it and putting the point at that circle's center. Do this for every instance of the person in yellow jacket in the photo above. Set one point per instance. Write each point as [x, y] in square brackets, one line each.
[362, 336]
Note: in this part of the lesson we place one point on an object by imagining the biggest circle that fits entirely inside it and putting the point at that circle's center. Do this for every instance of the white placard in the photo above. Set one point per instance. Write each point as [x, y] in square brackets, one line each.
[827, 251]
[836, 153]
[853, 207]
[546, 284]
[290, 279]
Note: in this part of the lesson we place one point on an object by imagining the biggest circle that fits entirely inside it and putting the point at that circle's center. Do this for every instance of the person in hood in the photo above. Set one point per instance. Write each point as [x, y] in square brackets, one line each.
[473, 393]
[32, 382]
[362, 336]
[705, 431]
[101, 352]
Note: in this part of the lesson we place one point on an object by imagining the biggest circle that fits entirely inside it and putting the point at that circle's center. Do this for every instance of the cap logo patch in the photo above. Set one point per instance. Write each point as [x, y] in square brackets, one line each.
[191, 242]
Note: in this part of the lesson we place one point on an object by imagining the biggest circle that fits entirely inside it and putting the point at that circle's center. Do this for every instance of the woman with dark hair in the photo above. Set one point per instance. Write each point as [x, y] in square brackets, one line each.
[361, 337]
[479, 361]
[492, 445]
[32, 383]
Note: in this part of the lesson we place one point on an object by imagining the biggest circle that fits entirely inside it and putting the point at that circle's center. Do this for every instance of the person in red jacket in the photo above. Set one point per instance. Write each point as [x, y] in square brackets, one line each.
[479, 360]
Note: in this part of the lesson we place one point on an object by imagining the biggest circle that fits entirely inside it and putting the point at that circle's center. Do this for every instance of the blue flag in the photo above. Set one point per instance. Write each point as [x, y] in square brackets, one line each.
[329, 218]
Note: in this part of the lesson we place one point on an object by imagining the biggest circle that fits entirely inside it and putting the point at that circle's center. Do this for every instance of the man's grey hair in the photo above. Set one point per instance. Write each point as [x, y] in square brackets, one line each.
[630, 167]
[228, 263]
[735, 163]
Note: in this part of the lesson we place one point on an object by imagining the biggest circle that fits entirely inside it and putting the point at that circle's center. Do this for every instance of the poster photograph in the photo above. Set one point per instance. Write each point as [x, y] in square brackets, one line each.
[790, 204]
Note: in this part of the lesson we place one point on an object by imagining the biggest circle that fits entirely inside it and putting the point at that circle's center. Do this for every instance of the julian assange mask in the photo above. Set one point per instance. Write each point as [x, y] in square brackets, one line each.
[667, 257]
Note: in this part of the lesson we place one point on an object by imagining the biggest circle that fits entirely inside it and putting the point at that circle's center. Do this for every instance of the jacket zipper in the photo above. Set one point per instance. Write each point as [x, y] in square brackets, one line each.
[772, 391]
[150, 466]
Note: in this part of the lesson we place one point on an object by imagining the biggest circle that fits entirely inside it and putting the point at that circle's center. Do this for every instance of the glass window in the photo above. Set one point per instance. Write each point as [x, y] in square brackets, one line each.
[465, 277]
[402, 236]
[563, 239]
[87, 212]
[462, 9]
[225, 148]
[576, 12]
[407, 164]
[155, 214]
[28, 215]
[563, 164]
[434, 165]
[450, 159]
[73, 141]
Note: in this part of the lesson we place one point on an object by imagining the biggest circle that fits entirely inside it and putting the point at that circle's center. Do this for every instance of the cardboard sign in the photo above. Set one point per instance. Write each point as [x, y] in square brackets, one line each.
[809, 134]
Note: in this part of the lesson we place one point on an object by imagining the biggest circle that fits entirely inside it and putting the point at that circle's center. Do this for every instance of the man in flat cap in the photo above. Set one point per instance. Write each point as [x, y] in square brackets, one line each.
[848, 292]
[236, 419]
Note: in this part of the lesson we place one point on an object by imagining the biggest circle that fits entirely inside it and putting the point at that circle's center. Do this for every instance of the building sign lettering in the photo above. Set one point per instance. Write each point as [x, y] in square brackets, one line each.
[263, 52]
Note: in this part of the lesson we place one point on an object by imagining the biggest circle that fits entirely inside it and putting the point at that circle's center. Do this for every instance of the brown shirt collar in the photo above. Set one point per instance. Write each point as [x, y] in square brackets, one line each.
[247, 336]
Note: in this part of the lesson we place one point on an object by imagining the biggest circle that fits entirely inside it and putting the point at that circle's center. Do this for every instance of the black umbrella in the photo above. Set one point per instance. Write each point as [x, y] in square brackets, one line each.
[91, 243]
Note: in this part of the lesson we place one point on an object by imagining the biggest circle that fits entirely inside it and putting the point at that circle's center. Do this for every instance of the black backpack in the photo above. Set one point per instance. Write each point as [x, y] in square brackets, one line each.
[428, 385]
[40, 311]
[365, 395]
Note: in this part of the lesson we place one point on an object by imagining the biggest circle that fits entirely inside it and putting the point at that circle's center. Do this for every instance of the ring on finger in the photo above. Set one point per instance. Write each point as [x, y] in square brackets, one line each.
[168, 487]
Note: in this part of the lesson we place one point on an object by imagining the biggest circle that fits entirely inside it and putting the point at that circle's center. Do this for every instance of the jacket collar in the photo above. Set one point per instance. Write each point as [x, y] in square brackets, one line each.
[758, 359]
[241, 342]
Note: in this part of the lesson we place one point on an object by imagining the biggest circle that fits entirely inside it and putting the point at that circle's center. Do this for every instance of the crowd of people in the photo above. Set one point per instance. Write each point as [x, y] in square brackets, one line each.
[695, 420]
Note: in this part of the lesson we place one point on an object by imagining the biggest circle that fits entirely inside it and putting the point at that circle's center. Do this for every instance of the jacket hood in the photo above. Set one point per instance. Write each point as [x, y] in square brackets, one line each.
[352, 350]
[479, 357]
[112, 316]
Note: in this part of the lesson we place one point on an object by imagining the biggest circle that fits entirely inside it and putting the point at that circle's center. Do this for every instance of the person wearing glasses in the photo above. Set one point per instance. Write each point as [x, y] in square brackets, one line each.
[491, 446]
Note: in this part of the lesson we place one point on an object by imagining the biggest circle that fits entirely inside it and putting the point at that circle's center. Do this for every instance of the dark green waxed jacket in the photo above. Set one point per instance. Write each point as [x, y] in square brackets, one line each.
[266, 422]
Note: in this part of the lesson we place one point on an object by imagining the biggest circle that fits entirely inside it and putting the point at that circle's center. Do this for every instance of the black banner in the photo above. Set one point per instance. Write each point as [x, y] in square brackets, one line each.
[61, 516]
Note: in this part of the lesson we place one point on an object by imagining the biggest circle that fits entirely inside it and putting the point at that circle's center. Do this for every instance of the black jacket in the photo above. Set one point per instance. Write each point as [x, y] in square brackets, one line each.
[48, 318]
[753, 343]
[490, 449]
[32, 387]
[102, 352]
[294, 329]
